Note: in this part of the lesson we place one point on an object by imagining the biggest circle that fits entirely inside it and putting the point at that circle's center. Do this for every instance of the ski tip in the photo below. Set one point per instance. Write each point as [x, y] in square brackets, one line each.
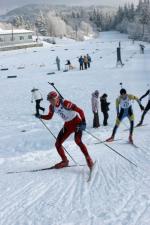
[91, 171]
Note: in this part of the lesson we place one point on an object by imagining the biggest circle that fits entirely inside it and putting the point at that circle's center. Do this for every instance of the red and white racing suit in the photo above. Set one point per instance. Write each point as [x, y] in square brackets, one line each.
[70, 113]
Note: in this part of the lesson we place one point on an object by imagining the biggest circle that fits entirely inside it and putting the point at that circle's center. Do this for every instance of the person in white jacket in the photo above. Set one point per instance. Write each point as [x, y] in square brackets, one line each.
[95, 107]
[37, 96]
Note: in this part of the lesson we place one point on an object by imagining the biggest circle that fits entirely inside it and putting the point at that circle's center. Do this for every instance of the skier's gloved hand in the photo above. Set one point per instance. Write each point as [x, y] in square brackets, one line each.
[81, 126]
[141, 107]
[38, 116]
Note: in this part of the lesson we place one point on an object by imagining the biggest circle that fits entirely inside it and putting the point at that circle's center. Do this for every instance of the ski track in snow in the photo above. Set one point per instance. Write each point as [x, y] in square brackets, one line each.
[118, 192]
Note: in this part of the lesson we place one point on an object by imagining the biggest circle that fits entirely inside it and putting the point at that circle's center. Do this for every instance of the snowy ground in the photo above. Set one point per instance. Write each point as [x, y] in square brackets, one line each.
[119, 193]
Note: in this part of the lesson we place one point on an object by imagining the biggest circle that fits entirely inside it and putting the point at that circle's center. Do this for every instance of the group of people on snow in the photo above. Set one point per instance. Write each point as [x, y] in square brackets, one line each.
[75, 122]
[84, 62]
[104, 105]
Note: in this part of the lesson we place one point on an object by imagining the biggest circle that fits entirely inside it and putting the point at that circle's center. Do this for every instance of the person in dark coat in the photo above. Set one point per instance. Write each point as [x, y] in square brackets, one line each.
[104, 108]
[142, 48]
[81, 62]
[119, 60]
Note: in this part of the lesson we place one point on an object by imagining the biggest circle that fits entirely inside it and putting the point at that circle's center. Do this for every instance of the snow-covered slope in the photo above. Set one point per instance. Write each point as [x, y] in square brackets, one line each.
[118, 193]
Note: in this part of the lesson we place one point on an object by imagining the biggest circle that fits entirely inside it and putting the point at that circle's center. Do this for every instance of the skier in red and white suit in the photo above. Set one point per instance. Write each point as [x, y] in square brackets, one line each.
[70, 113]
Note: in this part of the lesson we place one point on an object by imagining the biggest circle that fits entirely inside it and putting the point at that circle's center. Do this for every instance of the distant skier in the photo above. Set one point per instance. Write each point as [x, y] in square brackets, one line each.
[58, 63]
[37, 96]
[104, 108]
[89, 60]
[75, 123]
[147, 108]
[95, 107]
[124, 109]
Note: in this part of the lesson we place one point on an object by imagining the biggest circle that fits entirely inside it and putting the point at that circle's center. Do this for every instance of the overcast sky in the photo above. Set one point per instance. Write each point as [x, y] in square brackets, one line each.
[9, 4]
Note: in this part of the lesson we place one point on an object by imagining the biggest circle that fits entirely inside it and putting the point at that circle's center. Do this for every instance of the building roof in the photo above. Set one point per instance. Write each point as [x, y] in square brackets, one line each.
[22, 31]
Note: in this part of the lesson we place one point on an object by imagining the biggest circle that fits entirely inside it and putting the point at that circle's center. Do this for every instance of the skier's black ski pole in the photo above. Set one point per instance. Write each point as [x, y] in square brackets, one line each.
[55, 139]
[52, 84]
[112, 149]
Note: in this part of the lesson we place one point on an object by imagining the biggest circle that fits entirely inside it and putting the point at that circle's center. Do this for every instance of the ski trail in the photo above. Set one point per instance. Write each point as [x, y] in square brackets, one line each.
[18, 201]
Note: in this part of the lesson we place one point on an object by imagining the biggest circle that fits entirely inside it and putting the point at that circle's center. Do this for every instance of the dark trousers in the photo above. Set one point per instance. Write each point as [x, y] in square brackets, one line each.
[81, 66]
[96, 120]
[121, 116]
[85, 66]
[119, 62]
[38, 106]
[105, 114]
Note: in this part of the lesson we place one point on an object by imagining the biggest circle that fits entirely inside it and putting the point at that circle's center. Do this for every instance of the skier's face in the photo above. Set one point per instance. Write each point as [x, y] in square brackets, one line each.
[53, 101]
[124, 96]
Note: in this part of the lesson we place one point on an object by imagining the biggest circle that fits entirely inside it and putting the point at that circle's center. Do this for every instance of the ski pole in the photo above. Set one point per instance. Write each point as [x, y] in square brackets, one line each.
[55, 139]
[112, 149]
[52, 84]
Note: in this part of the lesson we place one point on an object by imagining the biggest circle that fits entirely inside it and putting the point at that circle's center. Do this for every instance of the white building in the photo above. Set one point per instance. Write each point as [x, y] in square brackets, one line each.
[14, 39]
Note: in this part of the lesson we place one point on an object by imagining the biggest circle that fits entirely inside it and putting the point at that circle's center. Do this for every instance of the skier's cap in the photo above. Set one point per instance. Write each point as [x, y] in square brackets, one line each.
[52, 95]
[34, 89]
[96, 92]
[104, 95]
[123, 91]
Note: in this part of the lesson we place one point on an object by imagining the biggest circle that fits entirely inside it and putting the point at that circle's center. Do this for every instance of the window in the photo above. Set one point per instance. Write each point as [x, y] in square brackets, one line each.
[1, 39]
[21, 37]
[29, 36]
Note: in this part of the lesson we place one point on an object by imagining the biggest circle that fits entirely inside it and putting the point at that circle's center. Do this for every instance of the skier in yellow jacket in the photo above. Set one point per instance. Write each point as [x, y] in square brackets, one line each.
[124, 109]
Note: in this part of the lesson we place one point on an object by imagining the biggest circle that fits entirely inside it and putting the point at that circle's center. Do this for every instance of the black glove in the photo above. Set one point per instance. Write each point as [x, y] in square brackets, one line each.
[141, 107]
[81, 126]
[38, 116]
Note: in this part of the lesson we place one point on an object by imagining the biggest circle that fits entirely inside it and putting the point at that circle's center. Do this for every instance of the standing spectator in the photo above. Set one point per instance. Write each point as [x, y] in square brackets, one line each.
[119, 60]
[81, 62]
[37, 96]
[89, 60]
[95, 107]
[104, 108]
[85, 60]
[58, 63]
[142, 49]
